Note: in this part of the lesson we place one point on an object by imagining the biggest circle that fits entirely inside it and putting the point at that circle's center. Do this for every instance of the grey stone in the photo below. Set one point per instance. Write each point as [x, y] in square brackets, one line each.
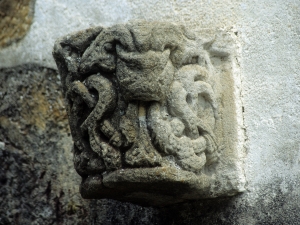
[147, 116]
[2, 145]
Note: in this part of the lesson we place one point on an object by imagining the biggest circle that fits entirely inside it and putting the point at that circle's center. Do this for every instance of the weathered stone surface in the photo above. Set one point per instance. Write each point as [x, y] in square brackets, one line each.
[38, 184]
[147, 110]
[268, 35]
[15, 20]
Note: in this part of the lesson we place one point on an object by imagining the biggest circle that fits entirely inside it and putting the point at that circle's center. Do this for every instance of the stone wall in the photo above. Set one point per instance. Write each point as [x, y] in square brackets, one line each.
[38, 182]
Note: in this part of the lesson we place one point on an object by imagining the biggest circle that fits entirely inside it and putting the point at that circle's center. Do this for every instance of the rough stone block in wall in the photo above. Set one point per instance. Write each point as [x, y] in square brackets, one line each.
[154, 112]
[15, 20]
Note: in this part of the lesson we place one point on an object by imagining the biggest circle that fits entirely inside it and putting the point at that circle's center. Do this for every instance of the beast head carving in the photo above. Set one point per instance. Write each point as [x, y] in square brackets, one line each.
[142, 111]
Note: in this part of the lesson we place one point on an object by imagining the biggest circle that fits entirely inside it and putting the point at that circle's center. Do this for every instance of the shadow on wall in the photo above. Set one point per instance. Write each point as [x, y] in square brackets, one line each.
[269, 205]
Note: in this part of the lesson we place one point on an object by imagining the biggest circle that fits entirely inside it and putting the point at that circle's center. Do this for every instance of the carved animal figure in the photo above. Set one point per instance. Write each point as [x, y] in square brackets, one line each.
[145, 93]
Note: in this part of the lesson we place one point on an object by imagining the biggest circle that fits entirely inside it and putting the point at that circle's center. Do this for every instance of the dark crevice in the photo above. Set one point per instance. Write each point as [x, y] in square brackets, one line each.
[48, 190]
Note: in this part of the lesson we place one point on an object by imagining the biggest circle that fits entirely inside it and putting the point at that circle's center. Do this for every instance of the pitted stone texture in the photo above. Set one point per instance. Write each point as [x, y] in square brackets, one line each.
[38, 184]
[15, 20]
[145, 97]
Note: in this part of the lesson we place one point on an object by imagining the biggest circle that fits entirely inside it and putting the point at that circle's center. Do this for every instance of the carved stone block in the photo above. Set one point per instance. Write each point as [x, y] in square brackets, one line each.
[153, 111]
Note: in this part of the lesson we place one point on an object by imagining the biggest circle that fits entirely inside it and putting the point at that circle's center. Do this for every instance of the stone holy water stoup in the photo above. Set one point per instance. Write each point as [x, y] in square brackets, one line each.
[154, 112]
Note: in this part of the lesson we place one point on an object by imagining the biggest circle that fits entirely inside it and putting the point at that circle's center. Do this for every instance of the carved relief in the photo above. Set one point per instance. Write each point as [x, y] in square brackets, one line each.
[142, 111]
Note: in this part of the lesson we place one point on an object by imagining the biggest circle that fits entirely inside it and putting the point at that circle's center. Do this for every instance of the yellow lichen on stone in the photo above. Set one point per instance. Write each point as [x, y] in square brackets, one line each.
[39, 109]
[15, 20]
